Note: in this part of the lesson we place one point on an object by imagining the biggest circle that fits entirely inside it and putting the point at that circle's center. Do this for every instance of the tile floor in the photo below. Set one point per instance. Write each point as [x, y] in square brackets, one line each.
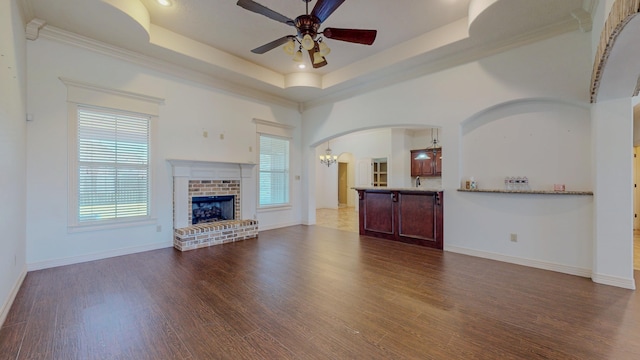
[343, 218]
[636, 249]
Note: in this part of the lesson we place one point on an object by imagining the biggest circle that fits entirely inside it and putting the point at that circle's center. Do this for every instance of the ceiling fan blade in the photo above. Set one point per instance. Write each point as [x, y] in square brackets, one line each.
[366, 37]
[324, 8]
[263, 10]
[272, 45]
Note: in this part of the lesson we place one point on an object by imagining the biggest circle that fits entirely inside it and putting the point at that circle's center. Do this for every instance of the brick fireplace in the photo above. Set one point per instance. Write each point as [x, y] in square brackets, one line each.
[198, 179]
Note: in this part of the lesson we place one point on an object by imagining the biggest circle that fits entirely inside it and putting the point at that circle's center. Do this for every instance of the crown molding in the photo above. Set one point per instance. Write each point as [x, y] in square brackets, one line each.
[420, 69]
[52, 33]
[26, 11]
[33, 28]
[273, 123]
[584, 19]
[122, 93]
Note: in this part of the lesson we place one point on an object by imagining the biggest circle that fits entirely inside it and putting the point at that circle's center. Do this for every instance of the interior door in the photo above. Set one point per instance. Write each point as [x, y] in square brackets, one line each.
[342, 184]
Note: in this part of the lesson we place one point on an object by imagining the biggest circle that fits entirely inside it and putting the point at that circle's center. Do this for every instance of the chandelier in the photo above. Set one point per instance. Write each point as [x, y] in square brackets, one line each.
[327, 158]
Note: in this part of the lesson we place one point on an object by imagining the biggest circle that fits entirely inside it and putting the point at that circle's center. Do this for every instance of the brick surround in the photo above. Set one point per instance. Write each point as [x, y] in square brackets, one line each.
[215, 188]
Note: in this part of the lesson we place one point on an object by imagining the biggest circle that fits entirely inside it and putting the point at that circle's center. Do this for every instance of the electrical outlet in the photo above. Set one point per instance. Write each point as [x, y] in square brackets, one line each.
[514, 237]
[221, 136]
[205, 134]
[159, 228]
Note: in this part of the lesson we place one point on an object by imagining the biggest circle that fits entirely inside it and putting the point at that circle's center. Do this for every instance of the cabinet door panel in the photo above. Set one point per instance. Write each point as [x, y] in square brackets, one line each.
[416, 216]
[378, 212]
[416, 164]
[427, 166]
[438, 162]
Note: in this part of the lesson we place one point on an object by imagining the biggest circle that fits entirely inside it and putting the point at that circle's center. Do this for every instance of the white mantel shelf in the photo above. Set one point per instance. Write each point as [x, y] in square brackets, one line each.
[535, 192]
[182, 162]
[202, 169]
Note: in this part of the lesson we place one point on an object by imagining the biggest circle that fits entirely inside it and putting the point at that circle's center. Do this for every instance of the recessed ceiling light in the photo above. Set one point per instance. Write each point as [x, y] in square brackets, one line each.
[301, 66]
[164, 2]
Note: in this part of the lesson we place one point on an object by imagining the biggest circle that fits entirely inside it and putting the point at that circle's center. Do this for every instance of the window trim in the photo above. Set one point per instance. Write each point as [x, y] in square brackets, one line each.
[79, 94]
[278, 130]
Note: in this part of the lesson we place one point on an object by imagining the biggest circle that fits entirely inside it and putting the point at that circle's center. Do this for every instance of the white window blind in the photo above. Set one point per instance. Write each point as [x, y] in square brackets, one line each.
[113, 165]
[274, 171]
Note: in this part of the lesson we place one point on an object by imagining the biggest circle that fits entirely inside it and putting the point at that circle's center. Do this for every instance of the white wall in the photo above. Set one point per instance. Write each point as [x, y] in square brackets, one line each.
[554, 232]
[188, 110]
[547, 141]
[326, 189]
[399, 168]
[362, 145]
[613, 162]
[12, 154]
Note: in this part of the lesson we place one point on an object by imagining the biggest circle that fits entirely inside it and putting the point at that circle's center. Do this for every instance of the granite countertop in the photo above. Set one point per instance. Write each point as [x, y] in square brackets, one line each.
[380, 188]
[541, 192]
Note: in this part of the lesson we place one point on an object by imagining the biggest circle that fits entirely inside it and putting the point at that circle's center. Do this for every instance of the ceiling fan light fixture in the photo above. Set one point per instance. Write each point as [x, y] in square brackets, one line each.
[324, 49]
[297, 57]
[307, 42]
[290, 47]
[317, 58]
[308, 31]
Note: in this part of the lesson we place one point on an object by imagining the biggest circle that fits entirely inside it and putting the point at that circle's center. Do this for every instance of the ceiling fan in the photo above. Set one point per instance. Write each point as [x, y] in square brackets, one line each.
[307, 27]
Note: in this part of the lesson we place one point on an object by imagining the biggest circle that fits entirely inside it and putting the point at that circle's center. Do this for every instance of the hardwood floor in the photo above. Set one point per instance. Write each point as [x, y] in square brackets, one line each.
[312, 292]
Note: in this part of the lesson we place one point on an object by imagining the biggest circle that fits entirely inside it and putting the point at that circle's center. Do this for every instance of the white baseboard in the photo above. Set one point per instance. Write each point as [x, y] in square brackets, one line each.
[96, 256]
[565, 269]
[276, 226]
[614, 281]
[12, 296]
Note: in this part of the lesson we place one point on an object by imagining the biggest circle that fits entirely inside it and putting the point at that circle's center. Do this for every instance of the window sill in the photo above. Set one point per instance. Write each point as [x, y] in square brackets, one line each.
[110, 225]
[275, 208]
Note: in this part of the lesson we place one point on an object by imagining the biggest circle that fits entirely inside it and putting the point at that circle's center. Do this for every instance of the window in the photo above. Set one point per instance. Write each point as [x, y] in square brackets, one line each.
[110, 168]
[112, 165]
[274, 171]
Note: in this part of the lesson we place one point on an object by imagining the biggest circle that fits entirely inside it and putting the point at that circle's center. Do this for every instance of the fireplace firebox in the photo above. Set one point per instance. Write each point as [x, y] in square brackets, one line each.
[205, 209]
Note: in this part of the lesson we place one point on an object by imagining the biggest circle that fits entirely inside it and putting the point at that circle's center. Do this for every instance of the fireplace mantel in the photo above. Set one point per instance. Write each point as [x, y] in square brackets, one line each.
[186, 170]
[208, 169]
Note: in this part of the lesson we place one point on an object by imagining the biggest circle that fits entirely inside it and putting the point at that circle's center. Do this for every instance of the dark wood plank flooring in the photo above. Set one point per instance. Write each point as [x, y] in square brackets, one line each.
[308, 292]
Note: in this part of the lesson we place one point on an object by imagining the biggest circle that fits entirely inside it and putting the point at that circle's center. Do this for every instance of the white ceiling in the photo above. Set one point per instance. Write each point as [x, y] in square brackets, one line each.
[214, 37]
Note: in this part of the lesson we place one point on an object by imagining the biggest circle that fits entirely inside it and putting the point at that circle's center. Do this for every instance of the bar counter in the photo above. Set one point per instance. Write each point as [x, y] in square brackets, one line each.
[410, 215]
